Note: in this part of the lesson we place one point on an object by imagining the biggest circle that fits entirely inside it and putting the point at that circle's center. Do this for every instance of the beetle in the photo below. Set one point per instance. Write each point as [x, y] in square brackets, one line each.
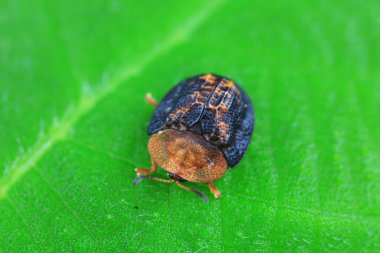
[201, 128]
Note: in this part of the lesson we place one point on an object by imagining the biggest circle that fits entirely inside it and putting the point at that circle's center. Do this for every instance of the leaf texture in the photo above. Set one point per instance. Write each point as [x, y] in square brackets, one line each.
[73, 125]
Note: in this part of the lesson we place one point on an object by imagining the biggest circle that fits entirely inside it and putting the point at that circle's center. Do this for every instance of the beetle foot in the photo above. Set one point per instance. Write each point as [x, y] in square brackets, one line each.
[150, 99]
[215, 191]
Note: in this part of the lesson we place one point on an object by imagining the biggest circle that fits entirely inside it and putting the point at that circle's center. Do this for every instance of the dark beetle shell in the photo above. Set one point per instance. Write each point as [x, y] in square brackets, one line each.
[213, 106]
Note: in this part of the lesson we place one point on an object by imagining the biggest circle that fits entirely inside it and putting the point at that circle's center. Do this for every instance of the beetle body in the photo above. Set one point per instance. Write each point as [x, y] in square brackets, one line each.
[200, 128]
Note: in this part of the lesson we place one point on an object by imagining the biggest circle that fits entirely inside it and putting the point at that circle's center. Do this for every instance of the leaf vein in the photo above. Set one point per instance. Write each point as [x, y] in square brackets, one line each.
[27, 226]
[68, 207]
[100, 151]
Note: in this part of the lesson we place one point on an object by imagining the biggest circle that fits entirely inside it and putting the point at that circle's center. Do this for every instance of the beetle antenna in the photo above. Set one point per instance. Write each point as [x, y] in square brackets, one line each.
[138, 179]
[199, 193]
[141, 177]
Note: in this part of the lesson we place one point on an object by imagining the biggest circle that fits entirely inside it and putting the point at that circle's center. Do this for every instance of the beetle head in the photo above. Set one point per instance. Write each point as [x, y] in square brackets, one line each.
[187, 155]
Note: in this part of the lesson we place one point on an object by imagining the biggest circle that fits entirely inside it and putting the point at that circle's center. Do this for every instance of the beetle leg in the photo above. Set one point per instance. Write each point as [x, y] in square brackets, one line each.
[199, 193]
[214, 190]
[147, 171]
[150, 99]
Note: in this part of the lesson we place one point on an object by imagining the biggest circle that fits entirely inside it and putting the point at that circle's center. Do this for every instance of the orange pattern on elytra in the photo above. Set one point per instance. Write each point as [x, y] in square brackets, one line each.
[220, 103]
[192, 103]
[210, 78]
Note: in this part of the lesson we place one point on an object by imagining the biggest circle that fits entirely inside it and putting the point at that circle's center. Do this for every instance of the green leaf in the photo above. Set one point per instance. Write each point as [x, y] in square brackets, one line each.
[73, 125]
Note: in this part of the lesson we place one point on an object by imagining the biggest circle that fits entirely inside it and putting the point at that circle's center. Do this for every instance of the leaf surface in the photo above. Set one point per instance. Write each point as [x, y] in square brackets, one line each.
[73, 125]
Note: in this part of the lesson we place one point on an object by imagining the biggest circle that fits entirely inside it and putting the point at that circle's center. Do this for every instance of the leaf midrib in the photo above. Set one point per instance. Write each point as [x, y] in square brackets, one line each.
[88, 100]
